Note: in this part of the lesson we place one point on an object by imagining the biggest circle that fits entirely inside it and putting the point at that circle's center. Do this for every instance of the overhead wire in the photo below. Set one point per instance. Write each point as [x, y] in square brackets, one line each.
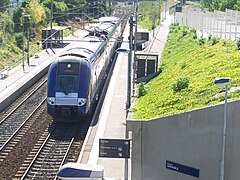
[65, 13]
[9, 5]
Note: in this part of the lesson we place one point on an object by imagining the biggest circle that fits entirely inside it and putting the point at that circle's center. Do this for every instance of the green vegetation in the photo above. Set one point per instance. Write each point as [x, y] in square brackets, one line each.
[141, 89]
[188, 71]
[179, 84]
[37, 18]
[212, 5]
[194, 3]
[222, 5]
[150, 14]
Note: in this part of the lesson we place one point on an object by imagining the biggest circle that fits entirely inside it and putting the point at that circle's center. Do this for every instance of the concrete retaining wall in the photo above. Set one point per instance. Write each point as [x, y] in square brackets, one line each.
[193, 139]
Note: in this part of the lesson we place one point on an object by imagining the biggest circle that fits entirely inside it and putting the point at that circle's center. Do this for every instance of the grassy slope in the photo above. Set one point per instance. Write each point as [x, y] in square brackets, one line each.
[183, 57]
[11, 55]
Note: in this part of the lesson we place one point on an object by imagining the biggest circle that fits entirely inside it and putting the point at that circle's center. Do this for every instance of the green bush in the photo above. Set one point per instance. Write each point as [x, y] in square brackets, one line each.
[238, 43]
[1, 41]
[183, 65]
[179, 84]
[195, 35]
[224, 42]
[194, 32]
[210, 37]
[141, 89]
[19, 40]
[184, 32]
[200, 41]
[214, 40]
[174, 28]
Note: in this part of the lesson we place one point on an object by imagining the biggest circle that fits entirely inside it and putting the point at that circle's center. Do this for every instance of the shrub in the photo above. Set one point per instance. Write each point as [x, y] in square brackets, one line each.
[194, 32]
[214, 40]
[200, 41]
[179, 84]
[195, 35]
[19, 40]
[183, 65]
[1, 41]
[224, 42]
[238, 43]
[141, 89]
[174, 28]
[184, 32]
[210, 37]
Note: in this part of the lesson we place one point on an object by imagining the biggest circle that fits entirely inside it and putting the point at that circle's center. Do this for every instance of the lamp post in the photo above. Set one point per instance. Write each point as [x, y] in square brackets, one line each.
[109, 7]
[23, 35]
[223, 82]
[128, 105]
[135, 44]
[51, 21]
[28, 38]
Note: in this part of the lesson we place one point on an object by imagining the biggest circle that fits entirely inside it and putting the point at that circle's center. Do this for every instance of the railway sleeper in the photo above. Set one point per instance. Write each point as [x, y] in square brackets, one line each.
[4, 154]
[8, 150]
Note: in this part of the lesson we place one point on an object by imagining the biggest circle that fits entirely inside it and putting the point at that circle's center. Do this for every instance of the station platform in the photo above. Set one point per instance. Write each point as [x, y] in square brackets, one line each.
[112, 119]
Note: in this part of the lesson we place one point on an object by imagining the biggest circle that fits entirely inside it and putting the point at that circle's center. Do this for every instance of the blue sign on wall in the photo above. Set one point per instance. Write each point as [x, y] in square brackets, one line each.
[182, 168]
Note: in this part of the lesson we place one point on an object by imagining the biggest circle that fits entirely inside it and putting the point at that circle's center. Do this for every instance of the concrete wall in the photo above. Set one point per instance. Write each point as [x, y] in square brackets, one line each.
[192, 139]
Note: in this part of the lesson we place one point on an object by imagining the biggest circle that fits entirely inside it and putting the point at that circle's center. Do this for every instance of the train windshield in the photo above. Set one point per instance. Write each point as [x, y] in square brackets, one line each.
[67, 80]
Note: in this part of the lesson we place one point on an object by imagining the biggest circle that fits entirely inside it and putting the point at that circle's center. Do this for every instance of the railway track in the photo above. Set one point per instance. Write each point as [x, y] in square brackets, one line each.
[52, 150]
[20, 117]
[20, 120]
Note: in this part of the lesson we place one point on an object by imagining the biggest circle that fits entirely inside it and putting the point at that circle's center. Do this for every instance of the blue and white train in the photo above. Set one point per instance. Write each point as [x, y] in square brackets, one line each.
[76, 76]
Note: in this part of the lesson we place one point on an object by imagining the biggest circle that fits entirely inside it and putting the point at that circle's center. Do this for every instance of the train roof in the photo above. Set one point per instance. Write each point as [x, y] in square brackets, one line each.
[85, 48]
[109, 19]
[89, 46]
[107, 27]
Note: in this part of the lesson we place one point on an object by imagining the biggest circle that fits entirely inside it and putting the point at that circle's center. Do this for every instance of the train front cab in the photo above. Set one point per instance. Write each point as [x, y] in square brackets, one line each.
[68, 88]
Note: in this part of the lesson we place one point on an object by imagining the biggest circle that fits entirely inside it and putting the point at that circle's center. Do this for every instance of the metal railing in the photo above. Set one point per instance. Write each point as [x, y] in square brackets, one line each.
[220, 24]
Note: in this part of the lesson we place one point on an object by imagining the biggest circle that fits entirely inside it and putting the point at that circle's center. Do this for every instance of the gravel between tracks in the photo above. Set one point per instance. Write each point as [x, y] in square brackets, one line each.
[16, 157]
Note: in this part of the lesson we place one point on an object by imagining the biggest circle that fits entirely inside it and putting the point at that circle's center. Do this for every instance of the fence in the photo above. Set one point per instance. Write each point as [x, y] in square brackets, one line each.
[220, 24]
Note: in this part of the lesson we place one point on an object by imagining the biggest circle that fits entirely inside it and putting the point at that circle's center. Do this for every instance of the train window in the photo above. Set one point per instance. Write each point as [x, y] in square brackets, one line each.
[67, 84]
[67, 80]
[77, 55]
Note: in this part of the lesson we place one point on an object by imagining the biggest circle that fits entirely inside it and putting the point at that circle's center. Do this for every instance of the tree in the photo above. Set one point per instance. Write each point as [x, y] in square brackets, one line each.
[4, 4]
[6, 23]
[74, 2]
[237, 6]
[36, 12]
[59, 7]
[17, 15]
[221, 5]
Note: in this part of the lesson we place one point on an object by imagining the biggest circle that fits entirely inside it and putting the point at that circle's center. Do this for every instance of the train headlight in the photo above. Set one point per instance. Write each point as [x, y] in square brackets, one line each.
[82, 101]
[51, 100]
